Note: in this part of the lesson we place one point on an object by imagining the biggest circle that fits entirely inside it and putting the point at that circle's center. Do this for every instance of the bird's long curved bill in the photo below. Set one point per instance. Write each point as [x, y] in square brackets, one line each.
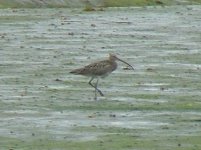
[125, 63]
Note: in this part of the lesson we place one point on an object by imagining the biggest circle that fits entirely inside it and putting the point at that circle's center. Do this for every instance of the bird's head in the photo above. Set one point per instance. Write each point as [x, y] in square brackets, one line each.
[113, 57]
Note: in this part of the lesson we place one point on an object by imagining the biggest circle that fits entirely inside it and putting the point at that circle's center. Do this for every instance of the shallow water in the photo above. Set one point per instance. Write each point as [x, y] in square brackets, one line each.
[157, 105]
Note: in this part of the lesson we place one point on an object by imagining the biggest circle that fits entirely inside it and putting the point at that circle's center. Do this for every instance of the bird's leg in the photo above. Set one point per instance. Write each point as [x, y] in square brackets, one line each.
[96, 89]
[95, 86]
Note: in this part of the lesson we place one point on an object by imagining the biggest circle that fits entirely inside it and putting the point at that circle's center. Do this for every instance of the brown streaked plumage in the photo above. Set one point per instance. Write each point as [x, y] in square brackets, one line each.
[99, 69]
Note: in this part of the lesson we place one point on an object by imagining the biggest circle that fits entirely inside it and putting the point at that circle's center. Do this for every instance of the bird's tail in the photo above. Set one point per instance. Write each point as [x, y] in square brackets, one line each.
[77, 71]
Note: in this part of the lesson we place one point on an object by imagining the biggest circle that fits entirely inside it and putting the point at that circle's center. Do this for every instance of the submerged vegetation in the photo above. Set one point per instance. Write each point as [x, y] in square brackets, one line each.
[89, 4]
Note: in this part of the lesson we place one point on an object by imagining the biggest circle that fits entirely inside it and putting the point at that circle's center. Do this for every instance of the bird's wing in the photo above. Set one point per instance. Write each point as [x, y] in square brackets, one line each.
[99, 68]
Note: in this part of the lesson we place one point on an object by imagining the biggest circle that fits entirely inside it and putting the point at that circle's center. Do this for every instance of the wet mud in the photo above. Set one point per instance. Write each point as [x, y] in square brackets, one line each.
[157, 106]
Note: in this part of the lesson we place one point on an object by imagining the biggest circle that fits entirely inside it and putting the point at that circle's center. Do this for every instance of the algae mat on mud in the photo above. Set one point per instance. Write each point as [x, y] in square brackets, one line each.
[156, 107]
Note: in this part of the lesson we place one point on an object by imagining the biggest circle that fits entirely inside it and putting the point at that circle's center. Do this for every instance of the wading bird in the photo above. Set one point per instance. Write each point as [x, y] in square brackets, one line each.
[99, 69]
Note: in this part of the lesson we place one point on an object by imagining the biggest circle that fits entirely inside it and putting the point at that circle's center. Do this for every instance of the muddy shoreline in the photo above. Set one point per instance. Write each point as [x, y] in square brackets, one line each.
[155, 107]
